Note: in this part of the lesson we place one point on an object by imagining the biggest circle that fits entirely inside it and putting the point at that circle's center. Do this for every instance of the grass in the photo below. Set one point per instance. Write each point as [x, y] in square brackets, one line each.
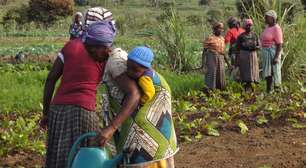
[21, 86]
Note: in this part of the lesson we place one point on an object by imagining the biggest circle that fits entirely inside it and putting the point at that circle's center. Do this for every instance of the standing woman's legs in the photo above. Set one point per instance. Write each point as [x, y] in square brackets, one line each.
[269, 81]
[220, 72]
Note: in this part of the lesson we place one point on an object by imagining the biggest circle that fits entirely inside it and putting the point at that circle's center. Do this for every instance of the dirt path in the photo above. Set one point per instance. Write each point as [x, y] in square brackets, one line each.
[271, 147]
[283, 147]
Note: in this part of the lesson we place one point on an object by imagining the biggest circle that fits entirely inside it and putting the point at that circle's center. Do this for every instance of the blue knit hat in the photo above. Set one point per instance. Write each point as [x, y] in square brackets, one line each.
[142, 55]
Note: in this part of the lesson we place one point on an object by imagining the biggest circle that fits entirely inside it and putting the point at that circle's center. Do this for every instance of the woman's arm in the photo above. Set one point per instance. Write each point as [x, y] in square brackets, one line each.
[277, 53]
[54, 74]
[131, 99]
[130, 103]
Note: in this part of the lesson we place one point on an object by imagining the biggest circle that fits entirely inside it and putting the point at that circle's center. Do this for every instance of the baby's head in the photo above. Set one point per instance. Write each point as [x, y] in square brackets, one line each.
[139, 60]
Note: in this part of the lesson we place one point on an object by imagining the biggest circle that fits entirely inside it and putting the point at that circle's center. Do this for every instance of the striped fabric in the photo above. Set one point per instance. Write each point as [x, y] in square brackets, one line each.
[215, 75]
[248, 66]
[97, 14]
[66, 124]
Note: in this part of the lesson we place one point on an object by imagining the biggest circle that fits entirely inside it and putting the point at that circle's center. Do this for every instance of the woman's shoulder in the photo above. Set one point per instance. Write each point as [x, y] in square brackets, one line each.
[277, 27]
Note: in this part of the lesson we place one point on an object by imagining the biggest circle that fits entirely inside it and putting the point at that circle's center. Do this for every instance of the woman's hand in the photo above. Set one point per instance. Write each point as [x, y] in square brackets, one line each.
[105, 135]
[275, 60]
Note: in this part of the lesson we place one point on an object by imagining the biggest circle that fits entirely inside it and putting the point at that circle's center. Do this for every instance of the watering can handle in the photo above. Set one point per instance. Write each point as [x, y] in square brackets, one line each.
[74, 147]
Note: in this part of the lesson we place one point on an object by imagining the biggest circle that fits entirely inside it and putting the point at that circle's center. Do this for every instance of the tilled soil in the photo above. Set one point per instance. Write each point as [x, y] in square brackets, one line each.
[282, 147]
[275, 147]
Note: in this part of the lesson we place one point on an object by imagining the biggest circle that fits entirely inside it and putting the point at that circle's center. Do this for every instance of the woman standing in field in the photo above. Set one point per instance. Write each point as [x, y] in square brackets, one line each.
[247, 44]
[80, 64]
[271, 41]
[148, 133]
[76, 28]
[231, 36]
[213, 58]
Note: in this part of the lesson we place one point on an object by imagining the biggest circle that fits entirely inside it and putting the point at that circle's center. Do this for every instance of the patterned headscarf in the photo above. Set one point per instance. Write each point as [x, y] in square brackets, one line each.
[77, 14]
[247, 22]
[96, 14]
[100, 33]
[271, 13]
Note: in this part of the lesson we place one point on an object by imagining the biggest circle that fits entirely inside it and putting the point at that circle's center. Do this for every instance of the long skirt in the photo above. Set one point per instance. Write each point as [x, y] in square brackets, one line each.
[215, 75]
[66, 124]
[248, 66]
[148, 136]
[270, 69]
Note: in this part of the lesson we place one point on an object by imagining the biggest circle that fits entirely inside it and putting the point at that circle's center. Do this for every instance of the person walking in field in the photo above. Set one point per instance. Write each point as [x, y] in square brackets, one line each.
[231, 36]
[214, 58]
[246, 55]
[271, 40]
[76, 28]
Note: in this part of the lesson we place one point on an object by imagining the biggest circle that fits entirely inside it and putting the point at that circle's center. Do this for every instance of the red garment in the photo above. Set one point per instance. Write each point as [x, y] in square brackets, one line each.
[232, 35]
[80, 78]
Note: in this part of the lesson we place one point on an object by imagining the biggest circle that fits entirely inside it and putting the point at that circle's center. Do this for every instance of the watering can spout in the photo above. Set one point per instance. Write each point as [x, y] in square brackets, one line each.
[114, 161]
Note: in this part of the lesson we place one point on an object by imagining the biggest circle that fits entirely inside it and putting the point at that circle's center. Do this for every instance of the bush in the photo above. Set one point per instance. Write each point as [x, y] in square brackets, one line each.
[214, 15]
[205, 2]
[48, 11]
[194, 20]
[18, 15]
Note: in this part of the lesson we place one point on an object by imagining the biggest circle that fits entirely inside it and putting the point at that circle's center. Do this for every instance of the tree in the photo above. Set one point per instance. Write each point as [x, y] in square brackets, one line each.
[48, 11]
[205, 2]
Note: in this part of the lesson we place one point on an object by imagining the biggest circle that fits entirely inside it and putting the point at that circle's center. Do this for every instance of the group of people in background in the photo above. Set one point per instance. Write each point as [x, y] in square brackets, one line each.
[243, 46]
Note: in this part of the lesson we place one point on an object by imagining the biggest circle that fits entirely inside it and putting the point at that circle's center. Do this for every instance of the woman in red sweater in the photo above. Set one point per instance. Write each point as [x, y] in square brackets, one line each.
[71, 113]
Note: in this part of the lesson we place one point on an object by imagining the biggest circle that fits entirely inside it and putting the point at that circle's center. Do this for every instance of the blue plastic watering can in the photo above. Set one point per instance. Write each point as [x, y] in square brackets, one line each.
[91, 157]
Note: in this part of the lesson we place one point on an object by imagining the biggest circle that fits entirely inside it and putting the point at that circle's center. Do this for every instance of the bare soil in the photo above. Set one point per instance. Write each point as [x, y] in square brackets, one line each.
[275, 147]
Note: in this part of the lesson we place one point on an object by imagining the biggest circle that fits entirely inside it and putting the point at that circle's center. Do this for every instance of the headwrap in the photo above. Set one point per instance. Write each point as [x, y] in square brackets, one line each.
[271, 13]
[247, 22]
[100, 33]
[218, 25]
[232, 21]
[77, 14]
[96, 14]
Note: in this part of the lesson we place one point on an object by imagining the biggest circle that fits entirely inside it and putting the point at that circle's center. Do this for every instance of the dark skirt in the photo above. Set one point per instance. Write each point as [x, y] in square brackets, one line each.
[248, 66]
[66, 124]
[215, 75]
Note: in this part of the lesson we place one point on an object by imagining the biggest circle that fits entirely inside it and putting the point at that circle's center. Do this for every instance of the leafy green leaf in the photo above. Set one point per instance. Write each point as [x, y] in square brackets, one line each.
[243, 128]
[262, 120]
[298, 125]
[224, 116]
[211, 128]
